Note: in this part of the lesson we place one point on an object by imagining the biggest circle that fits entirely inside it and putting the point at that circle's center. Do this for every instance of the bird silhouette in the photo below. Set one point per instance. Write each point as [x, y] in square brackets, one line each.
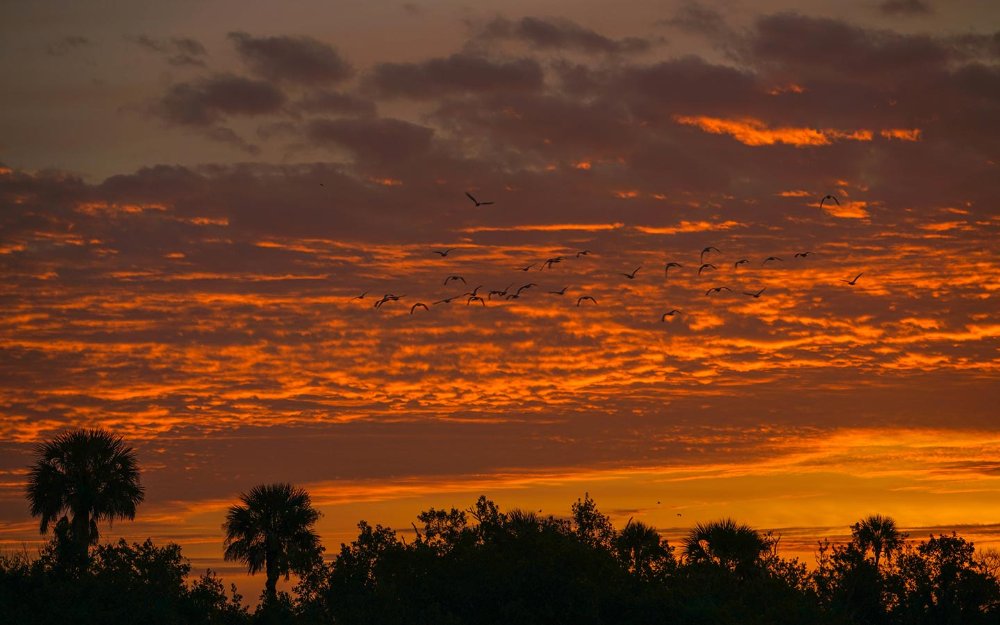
[706, 251]
[666, 269]
[770, 258]
[447, 300]
[718, 289]
[474, 292]
[585, 297]
[560, 292]
[475, 201]
[456, 278]
[802, 254]
[668, 314]
[754, 295]
[499, 293]
[631, 276]
[852, 282]
[526, 286]
[706, 266]
[829, 197]
[475, 298]
[551, 261]
[582, 253]
[362, 296]
[418, 304]
[741, 261]
[444, 253]
[388, 297]
[527, 267]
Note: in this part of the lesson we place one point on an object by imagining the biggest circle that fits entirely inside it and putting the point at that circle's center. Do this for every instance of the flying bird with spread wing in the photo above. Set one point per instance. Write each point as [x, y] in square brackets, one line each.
[362, 296]
[579, 300]
[829, 197]
[475, 201]
[705, 266]
[631, 276]
[802, 254]
[855, 280]
[770, 258]
[754, 295]
[666, 268]
[718, 289]
[741, 261]
[445, 252]
[418, 305]
[560, 292]
[664, 316]
[706, 251]
[455, 278]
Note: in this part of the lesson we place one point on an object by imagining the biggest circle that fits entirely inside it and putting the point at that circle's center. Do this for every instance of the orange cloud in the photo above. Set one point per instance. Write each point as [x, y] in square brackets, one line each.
[755, 132]
[691, 226]
[902, 134]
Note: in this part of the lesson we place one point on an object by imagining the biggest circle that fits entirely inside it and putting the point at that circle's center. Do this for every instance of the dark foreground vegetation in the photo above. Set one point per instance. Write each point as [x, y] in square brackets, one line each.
[479, 565]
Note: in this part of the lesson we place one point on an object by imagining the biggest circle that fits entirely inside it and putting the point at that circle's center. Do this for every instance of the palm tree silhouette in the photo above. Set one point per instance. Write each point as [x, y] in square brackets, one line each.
[878, 533]
[272, 531]
[733, 545]
[639, 549]
[89, 474]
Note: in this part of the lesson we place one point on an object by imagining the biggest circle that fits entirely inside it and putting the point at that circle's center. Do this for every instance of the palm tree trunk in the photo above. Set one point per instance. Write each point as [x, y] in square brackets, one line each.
[271, 585]
[81, 537]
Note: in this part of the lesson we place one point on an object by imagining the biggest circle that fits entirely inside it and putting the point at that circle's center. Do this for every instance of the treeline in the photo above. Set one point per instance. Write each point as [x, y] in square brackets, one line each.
[480, 565]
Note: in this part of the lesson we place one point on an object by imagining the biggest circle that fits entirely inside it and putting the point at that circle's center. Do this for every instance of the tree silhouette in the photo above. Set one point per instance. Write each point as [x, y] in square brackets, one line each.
[879, 534]
[89, 474]
[641, 552]
[272, 531]
[729, 544]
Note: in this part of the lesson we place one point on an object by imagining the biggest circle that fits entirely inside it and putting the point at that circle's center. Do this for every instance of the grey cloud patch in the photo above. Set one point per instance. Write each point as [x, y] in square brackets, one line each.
[834, 47]
[325, 101]
[697, 18]
[178, 51]
[457, 73]
[905, 7]
[292, 59]
[66, 45]
[207, 101]
[379, 140]
[560, 33]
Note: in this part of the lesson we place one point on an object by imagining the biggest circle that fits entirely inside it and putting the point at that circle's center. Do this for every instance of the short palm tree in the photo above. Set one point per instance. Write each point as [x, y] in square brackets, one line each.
[92, 476]
[878, 533]
[272, 531]
[733, 545]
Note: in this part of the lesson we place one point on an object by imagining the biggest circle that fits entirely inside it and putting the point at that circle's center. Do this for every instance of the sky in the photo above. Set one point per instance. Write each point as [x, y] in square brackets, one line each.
[194, 194]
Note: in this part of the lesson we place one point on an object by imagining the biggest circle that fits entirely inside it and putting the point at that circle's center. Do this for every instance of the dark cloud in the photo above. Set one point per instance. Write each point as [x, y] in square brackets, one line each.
[905, 7]
[694, 17]
[378, 140]
[178, 51]
[560, 34]
[325, 101]
[292, 59]
[832, 47]
[67, 44]
[458, 73]
[211, 100]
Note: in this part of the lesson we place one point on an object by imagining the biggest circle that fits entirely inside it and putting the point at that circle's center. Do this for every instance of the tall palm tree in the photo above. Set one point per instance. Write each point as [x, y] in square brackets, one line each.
[640, 549]
[878, 533]
[733, 545]
[92, 476]
[272, 531]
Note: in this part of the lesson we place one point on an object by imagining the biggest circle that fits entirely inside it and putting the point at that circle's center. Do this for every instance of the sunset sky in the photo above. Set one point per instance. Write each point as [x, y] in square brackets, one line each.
[193, 193]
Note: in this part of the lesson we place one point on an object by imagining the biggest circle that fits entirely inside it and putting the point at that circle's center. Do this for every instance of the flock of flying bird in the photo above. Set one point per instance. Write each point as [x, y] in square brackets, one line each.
[509, 294]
